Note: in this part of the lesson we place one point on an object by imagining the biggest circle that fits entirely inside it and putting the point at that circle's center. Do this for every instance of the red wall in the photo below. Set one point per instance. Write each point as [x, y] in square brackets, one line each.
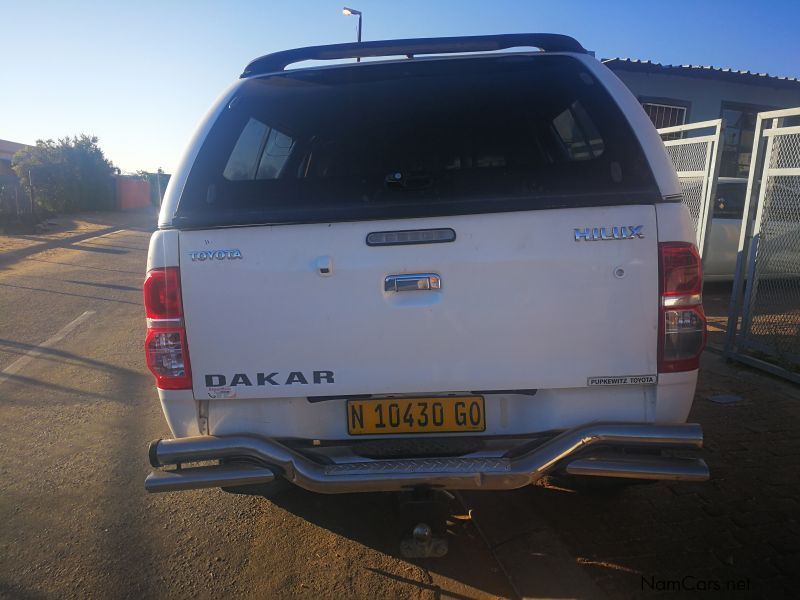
[132, 192]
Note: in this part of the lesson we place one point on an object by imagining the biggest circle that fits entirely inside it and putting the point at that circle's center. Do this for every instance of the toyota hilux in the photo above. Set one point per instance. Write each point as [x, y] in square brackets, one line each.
[452, 263]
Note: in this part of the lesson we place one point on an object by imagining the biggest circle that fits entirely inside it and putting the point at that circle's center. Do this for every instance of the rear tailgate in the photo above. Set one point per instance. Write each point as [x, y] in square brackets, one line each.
[522, 305]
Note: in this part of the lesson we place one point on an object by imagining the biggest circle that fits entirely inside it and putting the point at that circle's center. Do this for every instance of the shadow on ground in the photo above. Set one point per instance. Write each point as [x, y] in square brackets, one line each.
[105, 222]
[380, 521]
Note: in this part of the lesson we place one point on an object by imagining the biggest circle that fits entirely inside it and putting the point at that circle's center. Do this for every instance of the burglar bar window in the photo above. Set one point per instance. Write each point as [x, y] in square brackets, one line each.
[664, 115]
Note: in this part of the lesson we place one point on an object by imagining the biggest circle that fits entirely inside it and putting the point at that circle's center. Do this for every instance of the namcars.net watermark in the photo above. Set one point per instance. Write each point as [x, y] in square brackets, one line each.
[691, 583]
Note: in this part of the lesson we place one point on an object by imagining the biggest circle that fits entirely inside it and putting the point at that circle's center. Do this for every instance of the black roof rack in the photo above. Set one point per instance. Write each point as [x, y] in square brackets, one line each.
[549, 42]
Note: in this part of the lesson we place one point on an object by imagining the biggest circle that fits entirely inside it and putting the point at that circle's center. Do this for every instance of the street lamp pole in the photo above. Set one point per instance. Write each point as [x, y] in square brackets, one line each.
[348, 12]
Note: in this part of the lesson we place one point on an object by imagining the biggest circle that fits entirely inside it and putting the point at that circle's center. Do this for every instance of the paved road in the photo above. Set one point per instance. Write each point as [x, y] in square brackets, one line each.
[77, 408]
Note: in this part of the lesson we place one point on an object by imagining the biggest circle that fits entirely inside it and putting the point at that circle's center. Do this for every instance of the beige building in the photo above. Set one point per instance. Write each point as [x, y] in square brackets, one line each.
[678, 94]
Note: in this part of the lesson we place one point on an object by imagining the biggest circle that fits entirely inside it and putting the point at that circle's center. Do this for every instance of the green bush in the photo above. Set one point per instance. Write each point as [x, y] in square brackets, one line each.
[69, 175]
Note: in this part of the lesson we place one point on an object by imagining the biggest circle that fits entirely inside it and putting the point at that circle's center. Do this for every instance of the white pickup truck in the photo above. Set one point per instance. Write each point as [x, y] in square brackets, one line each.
[449, 266]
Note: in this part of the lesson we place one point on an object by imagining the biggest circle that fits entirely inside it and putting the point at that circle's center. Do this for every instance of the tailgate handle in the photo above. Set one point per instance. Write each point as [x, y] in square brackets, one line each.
[412, 282]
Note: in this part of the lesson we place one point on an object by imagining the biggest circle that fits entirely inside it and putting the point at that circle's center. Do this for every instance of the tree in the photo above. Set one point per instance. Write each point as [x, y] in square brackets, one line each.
[69, 175]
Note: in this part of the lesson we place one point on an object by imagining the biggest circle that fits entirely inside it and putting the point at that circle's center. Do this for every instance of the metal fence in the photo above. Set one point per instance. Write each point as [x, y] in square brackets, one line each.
[696, 160]
[765, 301]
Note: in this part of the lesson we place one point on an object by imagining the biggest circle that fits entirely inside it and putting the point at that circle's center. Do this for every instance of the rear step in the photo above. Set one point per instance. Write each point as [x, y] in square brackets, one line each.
[449, 473]
[642, 467]
[195, 478]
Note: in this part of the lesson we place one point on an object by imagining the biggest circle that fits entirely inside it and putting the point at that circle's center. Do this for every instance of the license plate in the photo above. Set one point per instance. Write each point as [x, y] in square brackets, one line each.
[416, 415]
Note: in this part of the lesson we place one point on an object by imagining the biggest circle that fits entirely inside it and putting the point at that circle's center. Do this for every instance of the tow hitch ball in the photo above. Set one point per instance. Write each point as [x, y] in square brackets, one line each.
[419, 508]
[423, 544]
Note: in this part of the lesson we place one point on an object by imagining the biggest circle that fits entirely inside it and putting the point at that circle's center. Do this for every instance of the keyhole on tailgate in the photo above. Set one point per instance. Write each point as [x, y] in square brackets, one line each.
[324, 266]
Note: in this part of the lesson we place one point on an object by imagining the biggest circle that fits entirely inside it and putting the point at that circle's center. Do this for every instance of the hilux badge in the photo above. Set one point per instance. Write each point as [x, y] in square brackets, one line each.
[215, 254]
[618, 232]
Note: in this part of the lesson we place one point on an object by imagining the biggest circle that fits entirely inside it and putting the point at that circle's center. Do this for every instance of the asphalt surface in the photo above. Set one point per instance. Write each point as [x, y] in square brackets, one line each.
[77, 408]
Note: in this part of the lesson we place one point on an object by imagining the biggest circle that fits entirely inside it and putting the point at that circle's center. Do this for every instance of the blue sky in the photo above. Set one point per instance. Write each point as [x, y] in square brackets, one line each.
[141, 74]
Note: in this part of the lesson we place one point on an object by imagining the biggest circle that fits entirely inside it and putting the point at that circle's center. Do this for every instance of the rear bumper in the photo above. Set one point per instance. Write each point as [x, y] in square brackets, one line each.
[578, 450]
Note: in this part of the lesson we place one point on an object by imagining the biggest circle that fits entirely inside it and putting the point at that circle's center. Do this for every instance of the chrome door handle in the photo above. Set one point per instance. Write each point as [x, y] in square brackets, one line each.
[412, 282]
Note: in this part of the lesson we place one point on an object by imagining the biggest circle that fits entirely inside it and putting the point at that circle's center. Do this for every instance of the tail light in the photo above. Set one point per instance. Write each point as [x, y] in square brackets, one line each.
[682, 322]
[162, 294]
[165, 345]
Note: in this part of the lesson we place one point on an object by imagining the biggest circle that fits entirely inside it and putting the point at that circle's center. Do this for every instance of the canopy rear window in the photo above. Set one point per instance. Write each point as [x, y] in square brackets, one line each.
[415, 138]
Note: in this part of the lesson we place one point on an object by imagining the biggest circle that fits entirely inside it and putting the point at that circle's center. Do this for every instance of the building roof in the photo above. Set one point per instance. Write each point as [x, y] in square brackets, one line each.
[9, 148]
[704, 71]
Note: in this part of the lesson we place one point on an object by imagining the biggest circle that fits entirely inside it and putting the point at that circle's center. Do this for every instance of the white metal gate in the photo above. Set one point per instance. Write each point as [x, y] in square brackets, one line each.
[768, 264]
[696, 160]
